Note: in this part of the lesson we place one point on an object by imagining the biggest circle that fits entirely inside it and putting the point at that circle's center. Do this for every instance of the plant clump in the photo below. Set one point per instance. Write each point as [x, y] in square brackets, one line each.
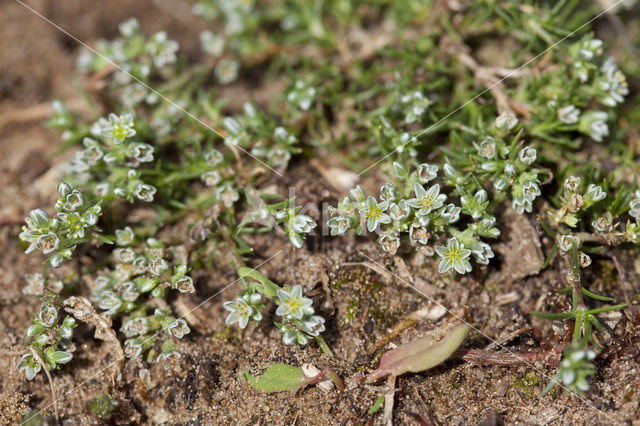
[164, 151]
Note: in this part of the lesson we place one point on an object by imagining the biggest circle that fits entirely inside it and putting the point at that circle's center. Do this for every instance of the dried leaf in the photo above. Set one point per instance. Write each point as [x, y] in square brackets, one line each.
[84, 311]
[419, 355]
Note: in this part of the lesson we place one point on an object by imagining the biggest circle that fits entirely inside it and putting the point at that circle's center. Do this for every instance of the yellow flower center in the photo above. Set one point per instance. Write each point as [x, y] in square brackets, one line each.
[374, 213]
[454, 254]
[426, 203]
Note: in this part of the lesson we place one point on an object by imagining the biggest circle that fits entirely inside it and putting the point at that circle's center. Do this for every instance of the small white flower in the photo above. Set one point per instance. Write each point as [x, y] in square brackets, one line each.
[527, 155]
[163, 51]
[178, 328]
[500, 184]
[158, 267]
[594, 193]
[74, 201]
[118, 127]
[211, 178]
[389, 243]
[522, 204]
[509, 169]
[135, 327]
[486, 148]
[594, 124]
[427, 200]
[399, 211]
[455, 256]
[226, 70]
[92, 154]
[211, 43]
[614, 84]
[291, 303]
[47, 316]
[47, 243]
[506, 121]
[301, 95]
[339, 225]
[144, 192]
[184, 284]
[426, 172]
[569, 114]
[125, 237]
[483, 253]
[530, 190]
[213, 157]
[374, 213]
[129, 27]
[227, 194]
[566, 242]
[143, 152]
[572, 184]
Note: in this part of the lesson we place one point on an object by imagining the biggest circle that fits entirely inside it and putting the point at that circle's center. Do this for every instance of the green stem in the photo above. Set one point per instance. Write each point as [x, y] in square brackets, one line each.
[324, 346]
[269, 288]
[575, 263]
[577, 327]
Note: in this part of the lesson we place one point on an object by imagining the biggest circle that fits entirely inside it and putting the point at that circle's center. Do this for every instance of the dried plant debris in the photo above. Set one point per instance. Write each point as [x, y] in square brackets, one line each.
[421, 354]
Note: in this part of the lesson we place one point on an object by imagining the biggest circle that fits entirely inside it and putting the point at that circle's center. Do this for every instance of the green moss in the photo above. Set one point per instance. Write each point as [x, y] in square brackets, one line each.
[609, 274]
[346, 278]
[527, 383]
[101, 407]
[353, 307]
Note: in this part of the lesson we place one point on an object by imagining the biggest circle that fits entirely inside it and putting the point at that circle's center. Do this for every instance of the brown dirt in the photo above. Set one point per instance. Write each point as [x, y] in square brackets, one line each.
[203, 387]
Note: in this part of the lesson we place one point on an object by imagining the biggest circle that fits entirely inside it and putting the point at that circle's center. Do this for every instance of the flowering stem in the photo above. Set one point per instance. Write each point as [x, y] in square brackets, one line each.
[46, 370]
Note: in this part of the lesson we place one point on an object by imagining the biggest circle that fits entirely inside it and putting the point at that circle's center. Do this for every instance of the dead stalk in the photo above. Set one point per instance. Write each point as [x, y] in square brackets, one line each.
[387, 417]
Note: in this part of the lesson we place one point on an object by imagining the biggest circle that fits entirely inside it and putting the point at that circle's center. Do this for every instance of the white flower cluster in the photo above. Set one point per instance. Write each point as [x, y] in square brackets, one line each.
[575, 199]
[59, 235]
[137, 279]
[299, 321]
[218, 176]
[109, 162]
[255, 130]
[575, 367]
[50, 339]
[420, 212]
[503, 163]
[297, 226]
[135, 56]
[600, 79]
[301, 95]
[413, 105]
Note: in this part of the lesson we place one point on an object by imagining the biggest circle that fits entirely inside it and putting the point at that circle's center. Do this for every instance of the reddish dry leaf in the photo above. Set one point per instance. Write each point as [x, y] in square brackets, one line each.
[419, 355]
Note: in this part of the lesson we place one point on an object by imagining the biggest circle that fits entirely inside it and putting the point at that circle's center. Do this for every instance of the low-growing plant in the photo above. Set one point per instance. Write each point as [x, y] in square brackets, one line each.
[450, 161]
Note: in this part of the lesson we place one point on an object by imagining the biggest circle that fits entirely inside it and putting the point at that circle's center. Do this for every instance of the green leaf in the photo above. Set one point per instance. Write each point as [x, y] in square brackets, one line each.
[422, 354]
[553, 316]
[269, 287]
[277, 378]
[104, 239]
[376, 405]
[596, 296]
[57, 357]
